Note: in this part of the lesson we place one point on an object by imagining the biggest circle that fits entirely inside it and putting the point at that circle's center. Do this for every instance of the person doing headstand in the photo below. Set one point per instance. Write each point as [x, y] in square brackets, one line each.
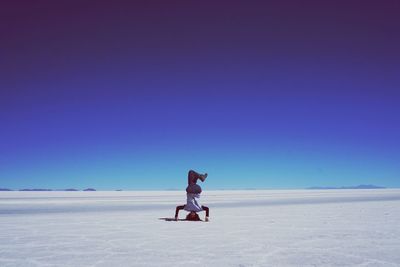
[193, 191]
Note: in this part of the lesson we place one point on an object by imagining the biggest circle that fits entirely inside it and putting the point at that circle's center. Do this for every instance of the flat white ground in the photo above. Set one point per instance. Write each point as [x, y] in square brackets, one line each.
[247, 228]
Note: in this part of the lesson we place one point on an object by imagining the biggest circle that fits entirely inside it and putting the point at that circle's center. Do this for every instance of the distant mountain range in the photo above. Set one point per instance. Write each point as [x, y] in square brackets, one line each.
[43, 189]
[361, 186]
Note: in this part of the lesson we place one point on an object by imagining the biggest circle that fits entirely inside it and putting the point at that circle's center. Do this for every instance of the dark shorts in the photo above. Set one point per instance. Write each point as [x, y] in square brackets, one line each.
[193, 189]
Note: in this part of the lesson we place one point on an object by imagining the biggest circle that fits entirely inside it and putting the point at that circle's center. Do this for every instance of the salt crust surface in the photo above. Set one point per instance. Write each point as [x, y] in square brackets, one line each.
[247, 228]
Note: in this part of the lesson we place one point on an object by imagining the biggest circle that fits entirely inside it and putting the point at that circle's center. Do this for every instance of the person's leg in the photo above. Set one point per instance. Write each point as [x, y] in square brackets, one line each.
[178, 208]
[193, 176]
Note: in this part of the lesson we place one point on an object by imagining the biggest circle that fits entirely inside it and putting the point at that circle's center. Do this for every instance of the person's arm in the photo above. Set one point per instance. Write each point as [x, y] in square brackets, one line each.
[178, 208]
[207, 210]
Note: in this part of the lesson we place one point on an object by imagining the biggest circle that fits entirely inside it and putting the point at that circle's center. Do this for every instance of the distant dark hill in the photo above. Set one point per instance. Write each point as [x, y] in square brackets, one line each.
[361, 186]
[35, 189]
[89, 189]
[5, 189]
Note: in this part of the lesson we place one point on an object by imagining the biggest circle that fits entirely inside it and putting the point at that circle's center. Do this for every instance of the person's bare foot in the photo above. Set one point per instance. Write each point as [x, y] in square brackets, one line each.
[203, 177]
[176, 218]
[206, 219]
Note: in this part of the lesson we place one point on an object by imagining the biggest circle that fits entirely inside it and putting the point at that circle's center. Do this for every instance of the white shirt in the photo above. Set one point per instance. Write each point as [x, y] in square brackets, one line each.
[192, 202]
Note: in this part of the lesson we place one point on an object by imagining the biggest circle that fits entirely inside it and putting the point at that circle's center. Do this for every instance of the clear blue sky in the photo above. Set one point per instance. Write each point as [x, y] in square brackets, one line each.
[133, 95]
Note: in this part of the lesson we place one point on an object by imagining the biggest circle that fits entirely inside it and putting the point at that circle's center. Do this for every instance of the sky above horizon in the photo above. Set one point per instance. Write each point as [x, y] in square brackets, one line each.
[133, 94]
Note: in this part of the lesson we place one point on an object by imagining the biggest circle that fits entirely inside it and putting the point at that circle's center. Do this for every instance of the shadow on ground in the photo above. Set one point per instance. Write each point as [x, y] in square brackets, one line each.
[173, 220]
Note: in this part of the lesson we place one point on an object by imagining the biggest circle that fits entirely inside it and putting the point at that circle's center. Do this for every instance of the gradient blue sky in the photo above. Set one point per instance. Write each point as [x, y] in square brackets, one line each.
[132, 94]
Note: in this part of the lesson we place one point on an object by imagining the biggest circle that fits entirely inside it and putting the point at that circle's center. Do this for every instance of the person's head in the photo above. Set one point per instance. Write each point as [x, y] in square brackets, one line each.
[192, 216]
